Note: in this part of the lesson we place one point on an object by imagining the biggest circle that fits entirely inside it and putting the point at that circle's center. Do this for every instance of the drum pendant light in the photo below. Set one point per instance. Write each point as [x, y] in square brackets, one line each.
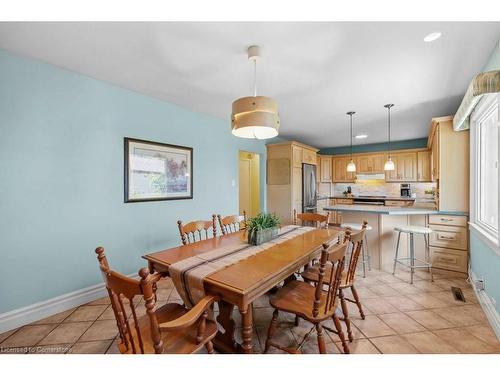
[389, 164]
[255, 116]
[351, 167]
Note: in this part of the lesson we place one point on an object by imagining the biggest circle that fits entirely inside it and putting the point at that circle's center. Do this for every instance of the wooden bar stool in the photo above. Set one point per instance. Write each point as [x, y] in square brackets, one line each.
[411, 230]
[365, 255]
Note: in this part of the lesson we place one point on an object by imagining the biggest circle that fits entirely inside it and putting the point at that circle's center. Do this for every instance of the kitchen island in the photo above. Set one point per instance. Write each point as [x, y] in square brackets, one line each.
[385, 210]
[382, 238]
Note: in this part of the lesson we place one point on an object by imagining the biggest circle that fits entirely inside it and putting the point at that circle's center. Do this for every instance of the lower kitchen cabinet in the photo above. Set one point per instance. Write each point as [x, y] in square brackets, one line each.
[449, 243]
[449, 220]
[344, 201]
[448, 236]
[399, 203]
[449, 259]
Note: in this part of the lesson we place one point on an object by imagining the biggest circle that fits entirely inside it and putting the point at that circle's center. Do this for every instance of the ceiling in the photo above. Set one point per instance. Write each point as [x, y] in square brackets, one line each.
[315, 71]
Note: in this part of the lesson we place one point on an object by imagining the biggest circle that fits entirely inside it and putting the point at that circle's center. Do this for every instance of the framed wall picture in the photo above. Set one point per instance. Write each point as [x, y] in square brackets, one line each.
[157, 171]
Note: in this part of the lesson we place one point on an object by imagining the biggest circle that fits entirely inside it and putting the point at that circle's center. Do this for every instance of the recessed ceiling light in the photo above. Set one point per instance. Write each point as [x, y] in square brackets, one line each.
[432, 37]
[361, 136]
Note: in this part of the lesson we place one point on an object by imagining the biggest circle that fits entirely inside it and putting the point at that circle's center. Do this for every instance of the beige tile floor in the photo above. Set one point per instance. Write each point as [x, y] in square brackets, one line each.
[400, 318]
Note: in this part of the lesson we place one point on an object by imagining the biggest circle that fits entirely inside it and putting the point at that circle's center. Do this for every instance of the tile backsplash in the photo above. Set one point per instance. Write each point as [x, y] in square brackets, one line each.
[390, 189]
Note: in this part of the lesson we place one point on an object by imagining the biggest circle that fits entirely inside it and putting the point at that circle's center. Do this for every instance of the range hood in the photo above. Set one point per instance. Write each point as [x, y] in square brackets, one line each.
[370, 176]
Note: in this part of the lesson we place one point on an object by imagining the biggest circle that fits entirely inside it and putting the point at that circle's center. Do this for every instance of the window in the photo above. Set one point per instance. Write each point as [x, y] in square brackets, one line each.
[484, 171]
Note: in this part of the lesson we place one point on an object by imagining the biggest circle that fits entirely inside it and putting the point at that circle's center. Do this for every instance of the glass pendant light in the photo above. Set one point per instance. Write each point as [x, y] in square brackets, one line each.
[255, 116]
[351, 167]
[389, 164]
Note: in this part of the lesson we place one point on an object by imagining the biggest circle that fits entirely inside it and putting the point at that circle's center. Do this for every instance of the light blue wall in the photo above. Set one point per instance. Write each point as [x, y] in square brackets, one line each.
[484, 262]
[374, 147]
[494, 60]
[61, 178]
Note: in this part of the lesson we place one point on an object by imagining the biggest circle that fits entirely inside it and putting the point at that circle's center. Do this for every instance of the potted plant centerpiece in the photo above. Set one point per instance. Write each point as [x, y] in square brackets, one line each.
[262, 228]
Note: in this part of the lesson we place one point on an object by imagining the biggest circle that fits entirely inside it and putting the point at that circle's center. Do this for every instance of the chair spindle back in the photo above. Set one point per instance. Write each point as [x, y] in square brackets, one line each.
[232, 223]
[122, 290]
[356, 241]
[319, 221]
[335, 255]
[194, 230]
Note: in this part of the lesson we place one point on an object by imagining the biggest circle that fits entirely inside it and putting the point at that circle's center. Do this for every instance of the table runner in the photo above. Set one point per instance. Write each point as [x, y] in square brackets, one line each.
[188, 274]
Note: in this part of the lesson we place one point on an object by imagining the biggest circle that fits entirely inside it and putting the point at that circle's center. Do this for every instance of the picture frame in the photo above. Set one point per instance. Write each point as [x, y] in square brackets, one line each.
[156, 171]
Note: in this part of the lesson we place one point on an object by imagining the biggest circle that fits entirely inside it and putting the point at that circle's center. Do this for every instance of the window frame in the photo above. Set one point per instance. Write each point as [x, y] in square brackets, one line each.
[484, 108]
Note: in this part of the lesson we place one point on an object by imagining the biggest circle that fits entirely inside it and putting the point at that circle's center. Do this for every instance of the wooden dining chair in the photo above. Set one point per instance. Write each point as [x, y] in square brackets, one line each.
[167, 329]
[319, 221]
[194, 230]
[311, 274]
[232, 223]
[312, 303]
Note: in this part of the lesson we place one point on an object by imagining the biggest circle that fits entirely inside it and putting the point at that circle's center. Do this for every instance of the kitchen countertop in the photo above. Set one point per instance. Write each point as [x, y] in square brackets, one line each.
[369, 198]
[390, 210]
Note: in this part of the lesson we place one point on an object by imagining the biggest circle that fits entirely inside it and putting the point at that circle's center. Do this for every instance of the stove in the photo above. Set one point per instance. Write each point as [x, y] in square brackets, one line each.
[375, 200]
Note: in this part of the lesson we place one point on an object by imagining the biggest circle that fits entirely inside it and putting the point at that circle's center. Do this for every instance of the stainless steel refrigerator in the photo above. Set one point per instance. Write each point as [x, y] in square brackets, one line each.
[309, 202]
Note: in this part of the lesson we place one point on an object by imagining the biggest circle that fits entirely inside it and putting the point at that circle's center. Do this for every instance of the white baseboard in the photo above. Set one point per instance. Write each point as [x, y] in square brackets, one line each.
[487, 306]
[41, 310]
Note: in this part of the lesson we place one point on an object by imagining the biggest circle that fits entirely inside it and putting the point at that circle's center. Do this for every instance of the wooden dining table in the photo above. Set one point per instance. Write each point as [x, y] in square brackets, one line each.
[241, 283]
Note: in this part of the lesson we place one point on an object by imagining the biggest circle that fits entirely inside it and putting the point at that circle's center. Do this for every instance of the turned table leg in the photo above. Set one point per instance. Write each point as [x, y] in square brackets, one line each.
[247, 329]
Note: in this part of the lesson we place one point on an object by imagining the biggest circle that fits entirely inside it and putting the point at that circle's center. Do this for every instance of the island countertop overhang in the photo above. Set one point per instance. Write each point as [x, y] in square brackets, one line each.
[389, 210]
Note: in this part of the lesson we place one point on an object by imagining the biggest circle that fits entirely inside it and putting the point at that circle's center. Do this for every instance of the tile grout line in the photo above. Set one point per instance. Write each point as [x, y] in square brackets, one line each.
[63, 322]
[13, 331]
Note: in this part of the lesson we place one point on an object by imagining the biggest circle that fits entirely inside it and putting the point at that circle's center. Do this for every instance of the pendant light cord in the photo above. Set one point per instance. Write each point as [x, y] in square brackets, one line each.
[351, 136]
[389, 106]
[350, 115]
[389, 116]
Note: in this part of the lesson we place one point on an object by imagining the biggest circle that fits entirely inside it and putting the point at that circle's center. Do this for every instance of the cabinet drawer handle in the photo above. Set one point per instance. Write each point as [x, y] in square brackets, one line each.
[445, 219]
[447, 260]
[443, 237]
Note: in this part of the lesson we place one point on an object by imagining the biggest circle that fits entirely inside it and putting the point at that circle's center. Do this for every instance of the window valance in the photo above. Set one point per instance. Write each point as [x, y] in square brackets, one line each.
[482, 84]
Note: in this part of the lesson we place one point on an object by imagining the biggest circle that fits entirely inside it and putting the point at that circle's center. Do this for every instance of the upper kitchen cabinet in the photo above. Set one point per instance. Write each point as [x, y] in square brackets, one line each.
[424, 166]
[450, 164]
[340, 174]
[302, 154]
[434, 146]
[309, 155]
[325, 168]
[410, 165]
[370, 163]
[297, 153]
[284, 177]
[405, 167]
